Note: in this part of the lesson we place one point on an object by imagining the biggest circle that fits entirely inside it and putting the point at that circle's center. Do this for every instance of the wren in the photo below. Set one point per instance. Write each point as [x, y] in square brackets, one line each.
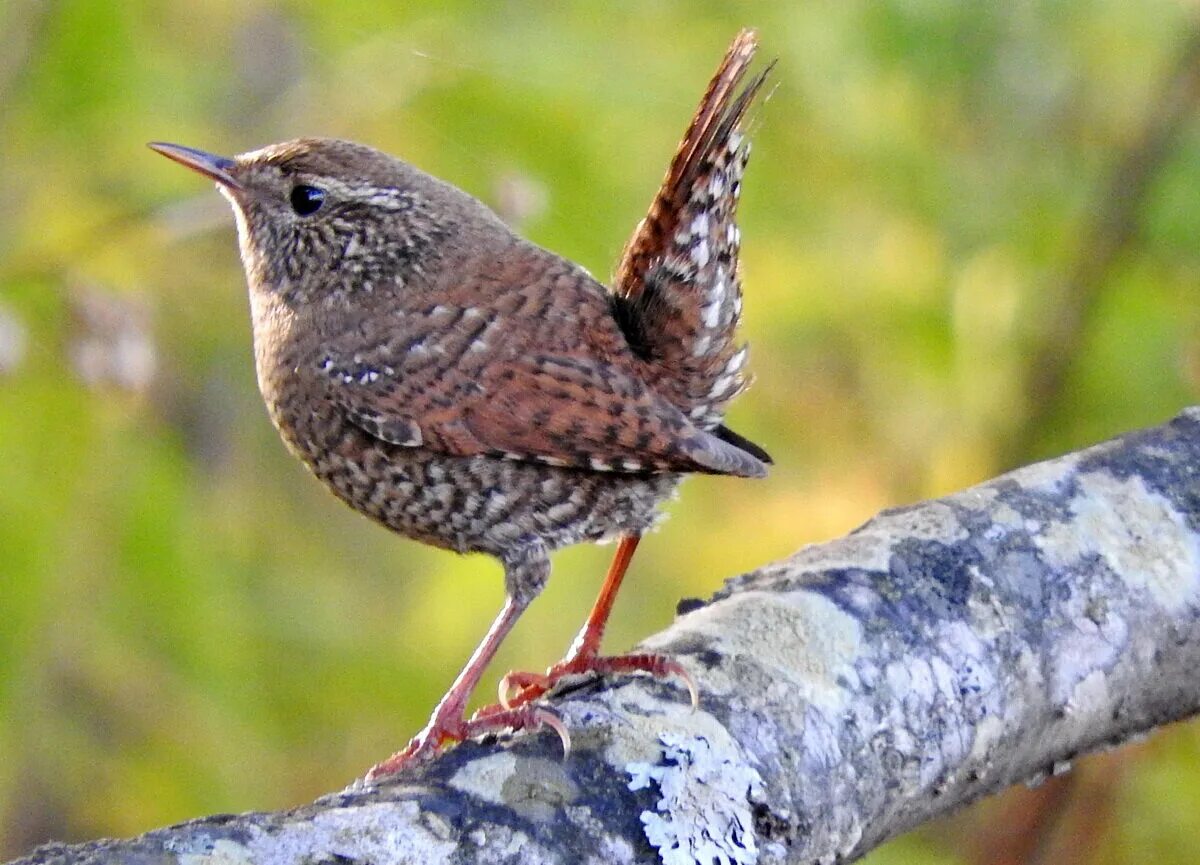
[471, 390]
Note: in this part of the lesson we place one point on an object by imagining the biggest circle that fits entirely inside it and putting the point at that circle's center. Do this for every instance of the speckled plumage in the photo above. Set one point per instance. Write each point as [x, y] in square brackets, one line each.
[678, 279]
[471, 421]
[471, 390]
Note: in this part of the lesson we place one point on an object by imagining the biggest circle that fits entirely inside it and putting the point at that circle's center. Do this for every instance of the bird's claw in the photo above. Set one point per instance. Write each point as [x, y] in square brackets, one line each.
[519, 688]
[440, 733]
[491, 719]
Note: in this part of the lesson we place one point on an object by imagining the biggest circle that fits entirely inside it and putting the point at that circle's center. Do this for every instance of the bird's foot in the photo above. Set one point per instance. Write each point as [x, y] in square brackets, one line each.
[442, 732]
[519, 689]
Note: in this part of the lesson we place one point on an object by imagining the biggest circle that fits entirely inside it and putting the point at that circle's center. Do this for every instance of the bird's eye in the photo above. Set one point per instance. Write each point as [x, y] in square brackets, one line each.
[307, 200]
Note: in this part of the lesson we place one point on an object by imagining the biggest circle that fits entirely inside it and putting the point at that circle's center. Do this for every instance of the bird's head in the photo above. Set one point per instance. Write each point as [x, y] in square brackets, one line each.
[322, 219]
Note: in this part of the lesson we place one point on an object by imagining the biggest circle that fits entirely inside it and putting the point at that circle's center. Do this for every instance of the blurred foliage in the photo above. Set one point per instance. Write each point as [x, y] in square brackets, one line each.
[190, 624]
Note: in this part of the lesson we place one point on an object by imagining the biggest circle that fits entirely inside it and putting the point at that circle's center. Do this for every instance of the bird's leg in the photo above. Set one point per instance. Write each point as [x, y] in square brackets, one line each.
[525, 572]
[518, 689]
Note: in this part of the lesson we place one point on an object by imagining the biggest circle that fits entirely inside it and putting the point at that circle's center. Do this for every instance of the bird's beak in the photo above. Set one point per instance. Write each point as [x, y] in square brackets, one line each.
[208, 164]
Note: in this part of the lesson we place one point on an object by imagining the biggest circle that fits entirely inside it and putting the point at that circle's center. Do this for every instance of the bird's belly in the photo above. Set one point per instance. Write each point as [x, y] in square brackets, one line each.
[480, 504]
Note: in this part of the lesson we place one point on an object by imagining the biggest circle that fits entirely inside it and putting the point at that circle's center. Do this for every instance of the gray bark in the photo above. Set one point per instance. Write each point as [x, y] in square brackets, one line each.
[862, 686]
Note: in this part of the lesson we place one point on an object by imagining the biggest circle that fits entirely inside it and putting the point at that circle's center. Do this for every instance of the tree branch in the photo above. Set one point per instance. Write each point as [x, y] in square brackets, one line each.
[860, 687]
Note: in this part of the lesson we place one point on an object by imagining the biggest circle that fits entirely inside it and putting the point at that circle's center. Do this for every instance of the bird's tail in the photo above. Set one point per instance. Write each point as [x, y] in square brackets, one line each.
[677, 292]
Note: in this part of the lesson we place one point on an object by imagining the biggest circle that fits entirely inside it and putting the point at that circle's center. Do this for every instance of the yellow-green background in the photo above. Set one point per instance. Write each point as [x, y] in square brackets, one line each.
[190, 624]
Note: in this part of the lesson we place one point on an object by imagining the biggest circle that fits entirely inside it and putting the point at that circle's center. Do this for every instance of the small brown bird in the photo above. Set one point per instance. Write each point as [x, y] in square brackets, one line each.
[473, 391]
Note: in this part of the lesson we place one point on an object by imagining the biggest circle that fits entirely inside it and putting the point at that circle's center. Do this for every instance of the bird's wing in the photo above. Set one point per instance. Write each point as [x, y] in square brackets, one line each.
[555, 407]
[591, 414]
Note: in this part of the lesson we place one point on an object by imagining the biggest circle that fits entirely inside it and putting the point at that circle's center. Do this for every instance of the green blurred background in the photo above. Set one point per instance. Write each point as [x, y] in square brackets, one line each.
[970, 241]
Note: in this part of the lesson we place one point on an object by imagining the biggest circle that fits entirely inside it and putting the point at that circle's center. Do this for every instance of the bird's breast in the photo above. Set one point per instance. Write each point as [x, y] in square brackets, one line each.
[283, 358]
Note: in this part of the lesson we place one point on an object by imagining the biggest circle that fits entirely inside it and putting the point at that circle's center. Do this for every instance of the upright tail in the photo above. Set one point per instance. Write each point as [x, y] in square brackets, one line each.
[677, 293]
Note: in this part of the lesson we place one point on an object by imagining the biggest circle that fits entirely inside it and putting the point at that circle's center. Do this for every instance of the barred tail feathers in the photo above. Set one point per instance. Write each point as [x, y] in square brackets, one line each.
[677, 292]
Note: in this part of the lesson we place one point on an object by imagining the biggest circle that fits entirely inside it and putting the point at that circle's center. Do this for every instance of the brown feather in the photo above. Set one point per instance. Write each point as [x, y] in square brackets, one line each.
[713, 116]
[677, 291]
